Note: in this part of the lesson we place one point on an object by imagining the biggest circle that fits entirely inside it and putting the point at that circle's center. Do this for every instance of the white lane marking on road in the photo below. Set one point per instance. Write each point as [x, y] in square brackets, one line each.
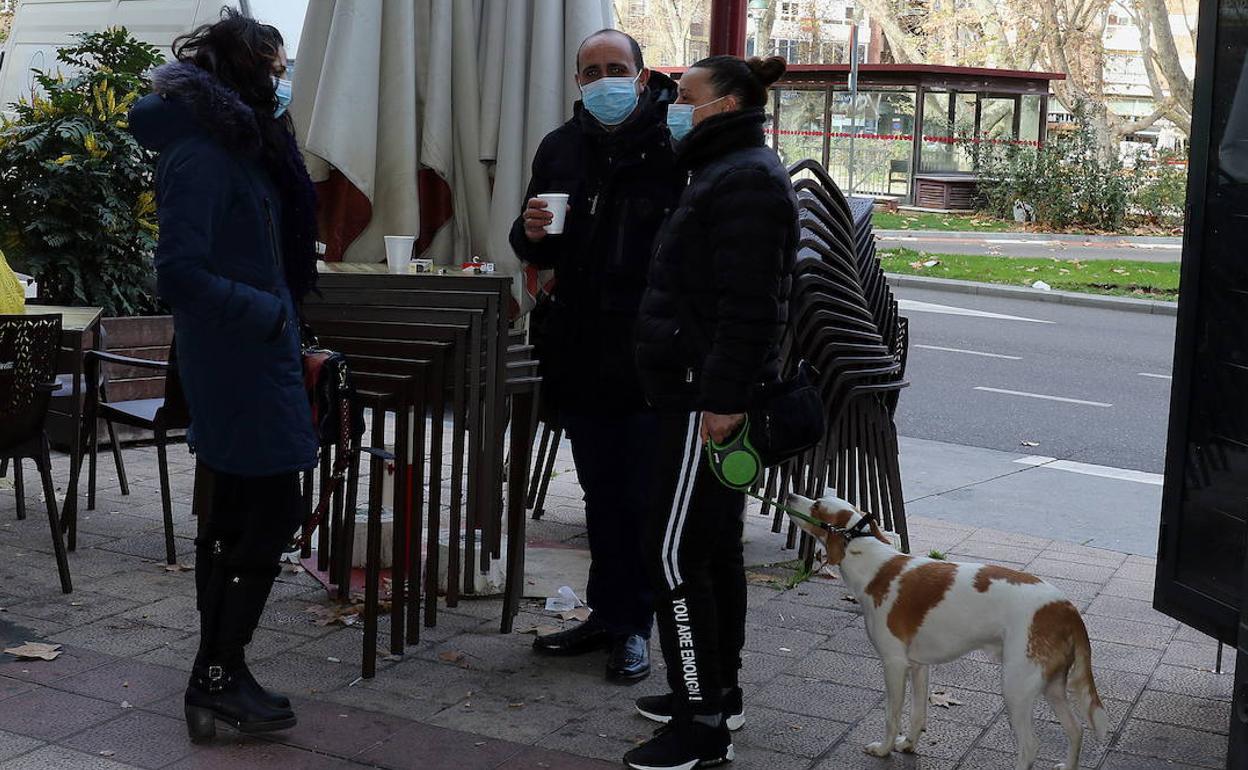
[1063, 399]
[931, 307]
[970, 352]
[1154, 376]
[1024, 241]
[898, 238]
[1167, 246]
[1103, 471]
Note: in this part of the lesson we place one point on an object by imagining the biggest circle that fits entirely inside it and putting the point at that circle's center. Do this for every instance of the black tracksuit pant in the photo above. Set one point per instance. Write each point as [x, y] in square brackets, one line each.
[237, 558]
[694, 554]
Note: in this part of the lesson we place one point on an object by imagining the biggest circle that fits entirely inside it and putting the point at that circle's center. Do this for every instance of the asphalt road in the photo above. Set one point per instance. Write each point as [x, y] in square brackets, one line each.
[1029, 245]
[1086, 384]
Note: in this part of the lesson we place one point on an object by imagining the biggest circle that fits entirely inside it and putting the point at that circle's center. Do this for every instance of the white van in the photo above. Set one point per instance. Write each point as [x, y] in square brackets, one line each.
[42, 26]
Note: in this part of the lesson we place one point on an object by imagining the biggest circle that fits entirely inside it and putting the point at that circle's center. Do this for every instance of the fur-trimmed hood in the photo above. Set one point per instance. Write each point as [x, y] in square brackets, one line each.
[187, 99]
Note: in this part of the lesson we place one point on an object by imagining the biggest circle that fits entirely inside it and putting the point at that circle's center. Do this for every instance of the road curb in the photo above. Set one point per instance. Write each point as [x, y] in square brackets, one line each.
[1129, 304]
[1098, 240]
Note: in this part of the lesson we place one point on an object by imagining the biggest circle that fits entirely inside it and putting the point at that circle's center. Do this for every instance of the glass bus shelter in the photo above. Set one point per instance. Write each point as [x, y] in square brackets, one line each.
[911, 131]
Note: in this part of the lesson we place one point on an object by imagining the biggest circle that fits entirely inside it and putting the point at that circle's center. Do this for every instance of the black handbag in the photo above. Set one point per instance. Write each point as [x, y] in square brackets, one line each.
[788, 419]
[337, 415]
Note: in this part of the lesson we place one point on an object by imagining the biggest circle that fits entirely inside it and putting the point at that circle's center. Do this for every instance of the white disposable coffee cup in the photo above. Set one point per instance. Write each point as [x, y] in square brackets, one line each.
[557, 205]
[399, 253]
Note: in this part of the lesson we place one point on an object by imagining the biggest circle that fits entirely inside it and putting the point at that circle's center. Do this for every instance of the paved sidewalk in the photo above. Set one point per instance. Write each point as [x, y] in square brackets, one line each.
[467, 697]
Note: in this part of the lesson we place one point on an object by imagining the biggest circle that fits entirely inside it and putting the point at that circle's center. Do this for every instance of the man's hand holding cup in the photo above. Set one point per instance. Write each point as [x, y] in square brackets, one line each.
[544, 215]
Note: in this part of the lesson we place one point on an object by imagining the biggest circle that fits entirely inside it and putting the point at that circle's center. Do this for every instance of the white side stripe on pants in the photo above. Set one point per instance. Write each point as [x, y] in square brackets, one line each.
[680, 504]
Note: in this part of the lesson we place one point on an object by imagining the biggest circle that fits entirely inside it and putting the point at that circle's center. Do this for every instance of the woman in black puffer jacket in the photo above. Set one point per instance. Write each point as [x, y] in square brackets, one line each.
[708, 336]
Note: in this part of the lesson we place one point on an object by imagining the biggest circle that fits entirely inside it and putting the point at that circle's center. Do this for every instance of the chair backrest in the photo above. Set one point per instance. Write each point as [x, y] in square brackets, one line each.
[28, 349]
[899, 166]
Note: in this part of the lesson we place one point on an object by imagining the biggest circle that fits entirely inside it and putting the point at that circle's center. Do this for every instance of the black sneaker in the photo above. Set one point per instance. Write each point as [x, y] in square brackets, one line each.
[659, 708]
[683, 747]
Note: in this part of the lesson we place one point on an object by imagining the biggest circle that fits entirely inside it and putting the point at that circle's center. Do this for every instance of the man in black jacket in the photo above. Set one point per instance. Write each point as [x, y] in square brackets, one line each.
[614, 160]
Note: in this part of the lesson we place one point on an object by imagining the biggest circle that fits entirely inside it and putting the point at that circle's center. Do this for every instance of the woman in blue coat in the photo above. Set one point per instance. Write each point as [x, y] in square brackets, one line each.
[235, 256]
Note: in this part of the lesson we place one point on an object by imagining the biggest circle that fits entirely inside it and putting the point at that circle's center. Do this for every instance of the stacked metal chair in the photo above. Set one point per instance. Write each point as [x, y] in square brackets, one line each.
[844, 321]
[437, 354]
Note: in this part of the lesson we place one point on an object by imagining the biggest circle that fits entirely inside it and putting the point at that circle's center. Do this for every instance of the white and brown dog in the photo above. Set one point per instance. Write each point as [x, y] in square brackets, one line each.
[921, 612]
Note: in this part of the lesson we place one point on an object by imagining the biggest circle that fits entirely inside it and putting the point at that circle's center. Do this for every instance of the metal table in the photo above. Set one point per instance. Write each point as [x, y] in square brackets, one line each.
[80, 332]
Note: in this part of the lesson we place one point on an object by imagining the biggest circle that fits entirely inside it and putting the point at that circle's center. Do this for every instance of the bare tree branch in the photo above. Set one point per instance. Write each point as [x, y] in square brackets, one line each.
[1159, 48]
[904, 46]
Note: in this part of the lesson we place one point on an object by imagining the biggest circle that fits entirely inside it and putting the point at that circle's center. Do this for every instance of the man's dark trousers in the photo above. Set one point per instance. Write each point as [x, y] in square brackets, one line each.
[614, 463]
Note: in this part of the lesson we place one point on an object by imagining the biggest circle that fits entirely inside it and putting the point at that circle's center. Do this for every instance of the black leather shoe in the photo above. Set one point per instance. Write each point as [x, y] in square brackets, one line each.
[629, 660]
[578, 640]
[217, 694]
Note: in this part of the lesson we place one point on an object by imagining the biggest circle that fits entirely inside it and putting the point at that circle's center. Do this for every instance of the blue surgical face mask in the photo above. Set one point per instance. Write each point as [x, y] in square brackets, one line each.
[611, 100]
[680, 118]
[282, 90]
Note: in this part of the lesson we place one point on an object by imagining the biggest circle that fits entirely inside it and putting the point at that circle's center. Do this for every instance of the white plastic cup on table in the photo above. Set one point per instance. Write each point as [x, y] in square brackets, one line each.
[399, 253]
[557, 205]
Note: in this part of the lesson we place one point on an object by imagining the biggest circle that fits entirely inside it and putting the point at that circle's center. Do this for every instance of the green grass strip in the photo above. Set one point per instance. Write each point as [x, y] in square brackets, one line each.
[1117, 277]
[916, 220]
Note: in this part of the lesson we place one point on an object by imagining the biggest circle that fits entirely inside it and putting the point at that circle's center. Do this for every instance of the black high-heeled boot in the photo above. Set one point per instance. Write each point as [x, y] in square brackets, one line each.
[216, 693]
[276, 698]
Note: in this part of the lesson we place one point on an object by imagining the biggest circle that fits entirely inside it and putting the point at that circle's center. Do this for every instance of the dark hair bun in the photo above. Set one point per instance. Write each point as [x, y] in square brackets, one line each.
[767, 70]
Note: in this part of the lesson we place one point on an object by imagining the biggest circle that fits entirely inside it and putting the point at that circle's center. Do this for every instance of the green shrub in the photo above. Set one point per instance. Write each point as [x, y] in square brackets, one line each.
[1067, 182]
[1160, 191]
[76, 204]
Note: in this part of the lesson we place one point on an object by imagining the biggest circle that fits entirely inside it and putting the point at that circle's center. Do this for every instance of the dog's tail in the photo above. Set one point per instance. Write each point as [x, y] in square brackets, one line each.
[1082, 683]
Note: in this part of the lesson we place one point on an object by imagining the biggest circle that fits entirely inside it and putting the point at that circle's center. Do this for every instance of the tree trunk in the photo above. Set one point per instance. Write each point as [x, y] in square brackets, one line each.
[1161, 56]
[763, 29]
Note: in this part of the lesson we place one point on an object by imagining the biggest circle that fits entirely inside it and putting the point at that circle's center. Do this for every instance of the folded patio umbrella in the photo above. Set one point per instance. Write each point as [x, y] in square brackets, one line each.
[423, 116]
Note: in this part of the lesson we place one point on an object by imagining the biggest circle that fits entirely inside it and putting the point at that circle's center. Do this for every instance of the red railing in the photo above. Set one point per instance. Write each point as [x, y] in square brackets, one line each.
[904, 137]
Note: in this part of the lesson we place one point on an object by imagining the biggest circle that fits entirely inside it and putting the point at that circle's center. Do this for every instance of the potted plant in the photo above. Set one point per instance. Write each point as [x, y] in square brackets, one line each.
[77, 209]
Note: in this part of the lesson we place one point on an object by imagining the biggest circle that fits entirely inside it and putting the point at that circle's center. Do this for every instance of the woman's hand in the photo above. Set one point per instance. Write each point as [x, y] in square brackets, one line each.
[720, 427]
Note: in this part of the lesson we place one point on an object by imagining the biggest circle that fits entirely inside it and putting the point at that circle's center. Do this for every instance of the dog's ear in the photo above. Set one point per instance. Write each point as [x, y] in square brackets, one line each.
[878, 534]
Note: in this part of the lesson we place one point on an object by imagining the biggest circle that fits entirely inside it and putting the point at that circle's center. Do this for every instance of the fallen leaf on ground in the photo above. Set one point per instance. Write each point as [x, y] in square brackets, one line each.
[177, 567]
[35, 651]
[578, 613]
[761, 578]
[329, 615]
[454, 656]
[943, 699]
[541, 630]
[1030, 443]
[515, 705]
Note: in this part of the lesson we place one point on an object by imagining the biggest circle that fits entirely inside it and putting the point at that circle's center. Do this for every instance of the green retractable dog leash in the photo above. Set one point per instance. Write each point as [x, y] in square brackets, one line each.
[737, 465]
